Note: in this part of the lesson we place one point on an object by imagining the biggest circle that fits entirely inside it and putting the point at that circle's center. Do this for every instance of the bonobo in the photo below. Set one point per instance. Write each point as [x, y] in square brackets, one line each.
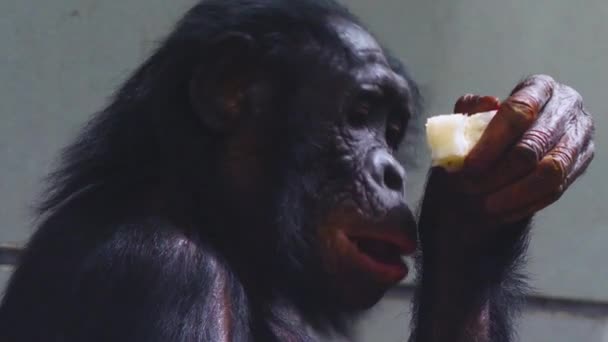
[242, 186]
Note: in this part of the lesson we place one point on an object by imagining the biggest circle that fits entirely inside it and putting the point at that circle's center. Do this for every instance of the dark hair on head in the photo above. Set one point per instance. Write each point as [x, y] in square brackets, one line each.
[109, 152]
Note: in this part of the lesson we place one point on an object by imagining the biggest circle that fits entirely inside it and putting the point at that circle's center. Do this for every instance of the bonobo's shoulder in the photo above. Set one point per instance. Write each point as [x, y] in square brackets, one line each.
[156, 235]
[160, 245]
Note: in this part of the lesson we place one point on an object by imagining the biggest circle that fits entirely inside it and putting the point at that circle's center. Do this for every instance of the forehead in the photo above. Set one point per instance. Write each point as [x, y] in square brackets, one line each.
[359, 41]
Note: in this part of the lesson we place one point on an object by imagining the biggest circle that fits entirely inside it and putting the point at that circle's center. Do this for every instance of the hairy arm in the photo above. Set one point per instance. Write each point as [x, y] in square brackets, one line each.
[145, 282]
[469, 287]
[156, 285]
[474, 224]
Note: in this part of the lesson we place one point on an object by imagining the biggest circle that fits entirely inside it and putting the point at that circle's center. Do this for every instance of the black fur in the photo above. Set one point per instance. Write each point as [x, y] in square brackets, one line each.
[118, 254]
[498, 280]
[138, 239]
[475, 294]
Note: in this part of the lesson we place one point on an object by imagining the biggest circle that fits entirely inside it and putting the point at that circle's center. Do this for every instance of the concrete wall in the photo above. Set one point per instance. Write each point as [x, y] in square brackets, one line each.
[61, 59]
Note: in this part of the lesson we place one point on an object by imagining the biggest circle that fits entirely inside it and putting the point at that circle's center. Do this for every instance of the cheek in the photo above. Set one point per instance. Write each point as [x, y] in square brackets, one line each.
[335, 247]
[243, 168]
[333, 244]
[350, 286]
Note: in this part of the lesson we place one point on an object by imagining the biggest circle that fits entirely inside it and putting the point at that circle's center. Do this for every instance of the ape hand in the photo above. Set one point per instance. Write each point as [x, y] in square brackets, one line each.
[536, 146]
[538, 143]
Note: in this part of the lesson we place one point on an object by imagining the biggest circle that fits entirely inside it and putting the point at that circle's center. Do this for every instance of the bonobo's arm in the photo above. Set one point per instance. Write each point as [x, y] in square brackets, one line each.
[469, 286]
[473, 224]
[145, 282]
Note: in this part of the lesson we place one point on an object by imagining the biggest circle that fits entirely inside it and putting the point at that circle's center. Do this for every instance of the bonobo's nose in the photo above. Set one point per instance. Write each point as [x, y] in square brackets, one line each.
[385, 170]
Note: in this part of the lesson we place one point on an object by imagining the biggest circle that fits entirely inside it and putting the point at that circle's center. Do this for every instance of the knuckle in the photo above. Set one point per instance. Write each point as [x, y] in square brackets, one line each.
[578, 99]
[587, 114]
[469, 97]
[491, 99]
[587, 157]
[526, 150]
[583, 131]
[522, 112]
[572, 96]
[556, 193]
[559, 191]
[533, 145]
[588, 125]
[563, 157]
[539, 87]
[463, 101]
[542, 78]
[466, 98]
[586, 118]
[553, 170]
[591, 150]
[545, 82]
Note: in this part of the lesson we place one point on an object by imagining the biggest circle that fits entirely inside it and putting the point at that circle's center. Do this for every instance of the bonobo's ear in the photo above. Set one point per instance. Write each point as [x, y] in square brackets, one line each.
[218, 87]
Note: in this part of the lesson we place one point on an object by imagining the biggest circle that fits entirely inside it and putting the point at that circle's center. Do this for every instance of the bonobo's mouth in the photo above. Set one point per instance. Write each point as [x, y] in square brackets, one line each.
[381, 254]
[368, 252]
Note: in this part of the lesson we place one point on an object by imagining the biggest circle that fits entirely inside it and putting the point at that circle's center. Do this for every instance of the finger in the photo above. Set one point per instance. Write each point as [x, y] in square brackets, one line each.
[465, 102]
[535, 143]
[546, 179]
[471, 104]
[514, 117]
[529, 211]
[581, 166]
[550, 177]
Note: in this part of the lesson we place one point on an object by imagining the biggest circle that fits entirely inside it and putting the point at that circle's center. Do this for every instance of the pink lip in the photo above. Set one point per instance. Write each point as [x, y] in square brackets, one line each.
[383, 272]
[406, 245]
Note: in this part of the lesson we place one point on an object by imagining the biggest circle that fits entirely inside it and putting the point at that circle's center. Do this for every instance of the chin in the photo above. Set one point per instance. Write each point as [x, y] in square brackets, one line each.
[361, 299]
[358, 287]
[364, 257]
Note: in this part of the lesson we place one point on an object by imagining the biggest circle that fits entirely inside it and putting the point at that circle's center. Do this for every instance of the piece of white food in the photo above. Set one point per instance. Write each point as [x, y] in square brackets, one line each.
[452, 136]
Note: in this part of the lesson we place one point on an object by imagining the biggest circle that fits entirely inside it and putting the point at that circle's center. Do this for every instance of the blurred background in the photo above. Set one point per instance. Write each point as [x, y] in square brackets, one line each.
[62, 59]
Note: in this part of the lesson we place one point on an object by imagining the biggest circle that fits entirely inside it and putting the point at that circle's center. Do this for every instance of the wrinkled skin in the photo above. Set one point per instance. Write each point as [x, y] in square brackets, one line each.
[534, 149]
[243, 186]
[473, 223]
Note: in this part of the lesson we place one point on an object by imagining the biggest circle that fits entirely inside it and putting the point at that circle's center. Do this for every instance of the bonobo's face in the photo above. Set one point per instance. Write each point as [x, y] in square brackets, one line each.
[363, 225]
[316, 141]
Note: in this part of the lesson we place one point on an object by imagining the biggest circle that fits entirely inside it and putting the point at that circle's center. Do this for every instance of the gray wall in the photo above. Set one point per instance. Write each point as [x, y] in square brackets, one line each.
[486, 47]
[62, 59]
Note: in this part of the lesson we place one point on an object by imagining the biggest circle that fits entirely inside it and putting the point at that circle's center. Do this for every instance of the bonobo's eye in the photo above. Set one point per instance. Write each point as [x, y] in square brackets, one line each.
[395, 128]
[365, 106]
[359, 114]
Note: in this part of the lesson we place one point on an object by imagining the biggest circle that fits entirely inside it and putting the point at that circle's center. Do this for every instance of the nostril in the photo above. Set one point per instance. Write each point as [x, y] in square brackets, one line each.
[392, 178]
[385, 170]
